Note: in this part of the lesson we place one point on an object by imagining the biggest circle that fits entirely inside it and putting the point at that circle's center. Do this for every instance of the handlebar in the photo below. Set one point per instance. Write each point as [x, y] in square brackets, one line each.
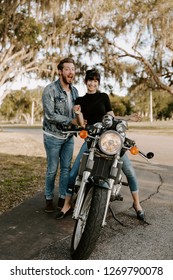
[149, 155]
[128, 144]
[131, 146]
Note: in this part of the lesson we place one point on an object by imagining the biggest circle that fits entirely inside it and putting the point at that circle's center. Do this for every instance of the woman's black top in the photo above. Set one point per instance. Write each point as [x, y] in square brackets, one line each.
[94, 106]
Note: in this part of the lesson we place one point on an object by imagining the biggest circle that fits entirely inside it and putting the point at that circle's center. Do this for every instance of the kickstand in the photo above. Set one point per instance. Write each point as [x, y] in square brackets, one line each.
[113, 214]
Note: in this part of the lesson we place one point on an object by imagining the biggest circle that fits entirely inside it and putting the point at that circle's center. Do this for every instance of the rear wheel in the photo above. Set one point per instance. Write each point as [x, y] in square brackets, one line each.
[88, 226]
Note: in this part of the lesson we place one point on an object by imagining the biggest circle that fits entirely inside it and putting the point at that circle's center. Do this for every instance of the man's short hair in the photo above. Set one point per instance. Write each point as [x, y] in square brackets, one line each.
[65, 60]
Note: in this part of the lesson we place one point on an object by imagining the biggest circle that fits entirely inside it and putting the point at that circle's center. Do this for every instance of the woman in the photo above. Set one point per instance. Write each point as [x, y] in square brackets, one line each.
[94, 105]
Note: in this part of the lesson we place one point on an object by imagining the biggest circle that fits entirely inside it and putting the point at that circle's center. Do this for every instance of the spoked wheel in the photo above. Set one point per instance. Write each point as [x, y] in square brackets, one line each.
[88, 226]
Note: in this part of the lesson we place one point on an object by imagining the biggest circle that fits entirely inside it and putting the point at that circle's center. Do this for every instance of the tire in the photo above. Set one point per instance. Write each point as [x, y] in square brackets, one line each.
[87, 230]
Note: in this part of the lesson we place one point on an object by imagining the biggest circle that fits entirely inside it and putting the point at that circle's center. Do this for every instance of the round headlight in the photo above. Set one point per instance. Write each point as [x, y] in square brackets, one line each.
[110, 142]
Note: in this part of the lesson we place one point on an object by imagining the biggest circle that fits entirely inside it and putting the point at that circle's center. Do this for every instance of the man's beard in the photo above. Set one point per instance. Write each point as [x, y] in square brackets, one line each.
[65, 80]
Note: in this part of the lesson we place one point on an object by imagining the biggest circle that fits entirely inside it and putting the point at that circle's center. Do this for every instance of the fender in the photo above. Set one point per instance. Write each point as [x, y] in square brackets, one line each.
[100, 182]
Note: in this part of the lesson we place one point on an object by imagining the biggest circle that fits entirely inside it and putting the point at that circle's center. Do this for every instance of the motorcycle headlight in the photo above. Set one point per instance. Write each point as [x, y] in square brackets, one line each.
[110, 142]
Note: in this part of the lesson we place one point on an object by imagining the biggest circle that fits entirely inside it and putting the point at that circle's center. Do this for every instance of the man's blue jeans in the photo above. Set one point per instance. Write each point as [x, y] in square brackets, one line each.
[127, 169]
[57, 151]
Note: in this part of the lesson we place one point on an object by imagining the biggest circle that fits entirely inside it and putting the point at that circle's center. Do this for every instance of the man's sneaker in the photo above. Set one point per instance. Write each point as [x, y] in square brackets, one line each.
[60, 202]
[49, 206]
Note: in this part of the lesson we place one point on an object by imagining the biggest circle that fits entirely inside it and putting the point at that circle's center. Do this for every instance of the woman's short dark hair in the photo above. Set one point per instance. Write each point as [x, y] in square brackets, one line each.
[92, 74]
[65, 60]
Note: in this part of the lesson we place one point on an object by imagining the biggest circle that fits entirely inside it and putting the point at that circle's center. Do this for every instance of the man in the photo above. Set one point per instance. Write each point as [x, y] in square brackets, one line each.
[58, 101]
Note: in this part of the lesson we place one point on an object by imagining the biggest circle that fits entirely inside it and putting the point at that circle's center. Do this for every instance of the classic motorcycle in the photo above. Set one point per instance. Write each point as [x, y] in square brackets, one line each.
[99, 181]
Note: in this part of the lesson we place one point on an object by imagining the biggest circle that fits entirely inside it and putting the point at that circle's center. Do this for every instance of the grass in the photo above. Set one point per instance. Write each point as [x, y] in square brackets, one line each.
[20, 178]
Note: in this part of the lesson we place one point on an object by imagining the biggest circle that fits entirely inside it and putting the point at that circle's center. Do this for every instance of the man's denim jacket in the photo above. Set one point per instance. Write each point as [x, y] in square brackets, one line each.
[55, 108]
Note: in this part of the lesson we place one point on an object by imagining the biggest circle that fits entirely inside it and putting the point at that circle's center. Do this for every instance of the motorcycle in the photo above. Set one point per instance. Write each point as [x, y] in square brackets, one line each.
[99, 180]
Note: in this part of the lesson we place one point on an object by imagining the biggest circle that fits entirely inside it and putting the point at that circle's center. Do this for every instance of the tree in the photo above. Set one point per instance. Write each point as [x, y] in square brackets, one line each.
[152, 24]
[32, 37]
[121, 105]
[162, 106]
[36, 34]
[18, 106]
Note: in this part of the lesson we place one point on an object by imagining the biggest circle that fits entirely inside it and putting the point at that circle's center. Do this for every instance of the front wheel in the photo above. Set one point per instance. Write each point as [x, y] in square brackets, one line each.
[88, 226]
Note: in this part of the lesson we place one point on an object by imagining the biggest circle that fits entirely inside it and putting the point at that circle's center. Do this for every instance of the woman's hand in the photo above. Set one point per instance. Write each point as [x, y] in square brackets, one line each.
[134, 117]
[77, 109]
[79, 116]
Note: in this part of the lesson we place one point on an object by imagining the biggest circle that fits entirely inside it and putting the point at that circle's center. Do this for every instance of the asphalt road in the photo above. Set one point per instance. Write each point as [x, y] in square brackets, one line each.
[134, 240]
[137, 240]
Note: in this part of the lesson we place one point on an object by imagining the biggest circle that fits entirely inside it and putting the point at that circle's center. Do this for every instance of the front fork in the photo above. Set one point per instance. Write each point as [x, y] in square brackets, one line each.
[85, 176]
[81, 194]
[111, 183]
[115, 177]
